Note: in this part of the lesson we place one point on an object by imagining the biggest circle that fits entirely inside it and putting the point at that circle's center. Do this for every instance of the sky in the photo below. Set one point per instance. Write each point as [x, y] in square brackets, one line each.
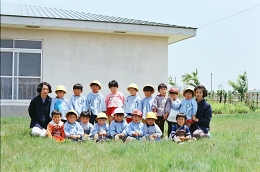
[225, 48]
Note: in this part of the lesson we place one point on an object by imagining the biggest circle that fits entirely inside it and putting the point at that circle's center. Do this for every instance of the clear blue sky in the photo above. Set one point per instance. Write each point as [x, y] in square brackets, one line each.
[225, 49]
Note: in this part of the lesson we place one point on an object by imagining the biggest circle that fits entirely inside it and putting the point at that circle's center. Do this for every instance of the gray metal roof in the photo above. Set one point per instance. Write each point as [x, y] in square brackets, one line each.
[12, 9]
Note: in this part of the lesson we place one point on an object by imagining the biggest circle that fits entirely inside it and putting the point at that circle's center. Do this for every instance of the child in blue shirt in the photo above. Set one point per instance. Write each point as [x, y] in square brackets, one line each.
[118, 125]
[132, 102]
[95, 101]
[180, 132]
[101, 128]
[72, 128]
[147, 102]
[60, 103]
[189, 105]
[77, 101]
[135, 129]
[86, 125]
[151, 130]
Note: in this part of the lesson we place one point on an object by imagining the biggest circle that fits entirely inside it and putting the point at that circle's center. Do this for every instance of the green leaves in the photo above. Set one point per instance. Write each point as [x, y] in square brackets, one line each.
[240, 85]
[192, 79]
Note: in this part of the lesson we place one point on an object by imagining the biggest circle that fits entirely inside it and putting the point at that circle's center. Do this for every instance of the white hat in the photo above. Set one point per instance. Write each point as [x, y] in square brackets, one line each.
[119, 110]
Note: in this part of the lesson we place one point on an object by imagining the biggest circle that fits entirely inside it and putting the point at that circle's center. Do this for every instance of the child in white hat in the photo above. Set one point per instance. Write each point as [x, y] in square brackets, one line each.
[101, 128]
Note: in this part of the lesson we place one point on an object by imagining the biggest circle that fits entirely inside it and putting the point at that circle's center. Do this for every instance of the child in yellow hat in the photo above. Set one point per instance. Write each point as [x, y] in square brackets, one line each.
[101, 128]
[151, 130]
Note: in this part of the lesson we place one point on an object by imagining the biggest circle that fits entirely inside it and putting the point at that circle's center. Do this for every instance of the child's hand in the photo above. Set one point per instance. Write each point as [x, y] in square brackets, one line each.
[100, 134]
[138, 133]
[134, 134]
[121, 135]
[154, 136]
[165, 116]
[187, 137]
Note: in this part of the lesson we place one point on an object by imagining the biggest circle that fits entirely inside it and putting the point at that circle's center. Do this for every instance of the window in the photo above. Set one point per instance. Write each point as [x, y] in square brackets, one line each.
[21, 68]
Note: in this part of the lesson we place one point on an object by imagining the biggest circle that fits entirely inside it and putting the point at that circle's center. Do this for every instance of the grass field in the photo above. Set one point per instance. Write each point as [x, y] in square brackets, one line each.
[234, 146]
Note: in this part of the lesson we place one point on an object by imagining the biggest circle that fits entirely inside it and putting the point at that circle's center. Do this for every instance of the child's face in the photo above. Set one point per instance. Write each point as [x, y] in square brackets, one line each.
[44, 91]
[199, 94]
[119, 117]
[101, 121]
[136, 118]
[150, 121]
[180, 121]
[173, 96]
[163, 91]
[113, 90]
[84, 119]
[77, 92]
[188, 95]
[147, 93]
[72, 118]
[132, 91]
[56, 118]
[60, 94]
[95, 88]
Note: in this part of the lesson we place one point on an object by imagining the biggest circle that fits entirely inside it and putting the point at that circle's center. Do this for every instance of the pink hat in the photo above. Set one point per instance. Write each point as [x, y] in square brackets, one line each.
[137, 112]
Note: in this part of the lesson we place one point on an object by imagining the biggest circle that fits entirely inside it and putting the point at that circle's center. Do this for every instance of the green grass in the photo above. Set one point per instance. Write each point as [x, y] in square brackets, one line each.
[227, 108]
[234, 146]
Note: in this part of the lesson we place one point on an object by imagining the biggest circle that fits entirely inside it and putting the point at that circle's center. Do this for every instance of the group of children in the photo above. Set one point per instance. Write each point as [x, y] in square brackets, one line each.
[85, 118]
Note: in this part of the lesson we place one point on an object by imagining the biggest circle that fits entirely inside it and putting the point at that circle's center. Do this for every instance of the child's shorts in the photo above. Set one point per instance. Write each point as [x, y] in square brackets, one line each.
[190, 121]
[110, 110]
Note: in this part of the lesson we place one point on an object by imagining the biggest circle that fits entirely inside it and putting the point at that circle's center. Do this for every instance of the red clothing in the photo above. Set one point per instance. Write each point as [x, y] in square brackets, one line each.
[56, 131]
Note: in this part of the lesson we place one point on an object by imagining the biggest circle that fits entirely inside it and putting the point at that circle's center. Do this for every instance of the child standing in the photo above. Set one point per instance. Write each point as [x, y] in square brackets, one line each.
[118, 125]
[101, 128]
[55, 128]
[162, 106]
[95, 102]
[113, 100]
[86, 125]
[175, 107]
[180, 131]
[72, 128]
[132, 102]
[147, 102]
[77, 101]
[60, 103]
[151, 130]
[189, 105]
[135, 129]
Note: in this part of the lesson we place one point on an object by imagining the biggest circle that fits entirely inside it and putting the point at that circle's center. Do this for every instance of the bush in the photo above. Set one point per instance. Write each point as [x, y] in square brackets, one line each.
[227, 108]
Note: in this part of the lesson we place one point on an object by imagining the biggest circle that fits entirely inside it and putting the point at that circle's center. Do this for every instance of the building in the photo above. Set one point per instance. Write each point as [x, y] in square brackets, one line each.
[67, 47]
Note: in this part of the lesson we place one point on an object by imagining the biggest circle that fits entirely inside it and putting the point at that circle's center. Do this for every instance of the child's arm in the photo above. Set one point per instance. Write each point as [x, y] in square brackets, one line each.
[49, 130]
[195, 107]
[167, 108]
[129, 130]
[122, 97]
[155, 104]
[71, 103]
[112, 129]
[102, 103]
[90, 129]
[62, 131]
[80, 131]
[52, 106]
[66, 130]
[145, 131]
[188, 135]
[158, 131]
[173, 133]
[176, 104]
[87, 103]
[182, 107]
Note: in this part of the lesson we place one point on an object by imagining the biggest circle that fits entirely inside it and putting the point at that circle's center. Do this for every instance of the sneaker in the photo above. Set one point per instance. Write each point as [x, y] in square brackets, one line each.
[143, 139]
[116, 138]
[95, 137]
[128, 139]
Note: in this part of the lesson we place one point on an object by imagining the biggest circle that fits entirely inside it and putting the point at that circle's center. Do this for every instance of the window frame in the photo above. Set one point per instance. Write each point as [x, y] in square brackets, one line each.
[13, 77]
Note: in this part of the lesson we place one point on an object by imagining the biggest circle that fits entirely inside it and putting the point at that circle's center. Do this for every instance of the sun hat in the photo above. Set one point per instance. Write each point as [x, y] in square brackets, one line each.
[96, 82]
[151, 115]
[60, 88]
[101, 115]
[72, 111]
[119, 110]
[133, 85]
[174, 90]
[149, 85]
[190, 89]
[137, 112]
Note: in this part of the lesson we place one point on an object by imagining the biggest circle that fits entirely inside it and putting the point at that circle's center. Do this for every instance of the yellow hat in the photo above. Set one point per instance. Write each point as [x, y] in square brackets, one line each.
[61, 88]
[96, 82]
[190, 90]
[101, 115]
[151, 115]
[71, 111]
[149, 85]
[132, 86]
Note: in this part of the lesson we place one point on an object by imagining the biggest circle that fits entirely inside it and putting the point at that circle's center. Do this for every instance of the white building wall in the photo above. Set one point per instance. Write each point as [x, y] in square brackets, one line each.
[81, 57]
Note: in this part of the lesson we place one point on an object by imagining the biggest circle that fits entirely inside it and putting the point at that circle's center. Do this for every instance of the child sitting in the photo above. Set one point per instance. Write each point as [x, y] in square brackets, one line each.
[86, 125]
[118, 125]
[77, 101]
[180, 132]
[60, 103]
[95, 101]
[55, 128]
[135, 129]
[189, 105]
[147, 102]
[101, 128]
[151, 130]
[132, 102]
[72, 128]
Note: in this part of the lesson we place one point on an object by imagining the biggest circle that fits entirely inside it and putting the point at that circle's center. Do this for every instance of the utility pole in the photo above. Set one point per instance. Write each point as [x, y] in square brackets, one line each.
[211, 81]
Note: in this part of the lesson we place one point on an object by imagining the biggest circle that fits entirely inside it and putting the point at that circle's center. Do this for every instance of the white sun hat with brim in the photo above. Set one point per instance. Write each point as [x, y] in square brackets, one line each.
[119, 110]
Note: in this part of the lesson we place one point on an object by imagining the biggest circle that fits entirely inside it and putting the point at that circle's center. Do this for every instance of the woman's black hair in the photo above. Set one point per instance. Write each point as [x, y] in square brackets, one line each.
[181, 115]
[112, 83]
[204, 90]
[54, 112]
[78, 86]
[162, 85]
[85, 114]
[39, 88]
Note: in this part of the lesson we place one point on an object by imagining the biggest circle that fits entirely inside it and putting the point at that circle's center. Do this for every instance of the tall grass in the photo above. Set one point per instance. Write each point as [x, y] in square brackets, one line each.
[234, 146]
[227, 108]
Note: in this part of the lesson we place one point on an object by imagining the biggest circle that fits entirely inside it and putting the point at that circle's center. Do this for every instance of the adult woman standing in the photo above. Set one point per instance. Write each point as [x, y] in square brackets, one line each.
[39, 109]
[200, 127]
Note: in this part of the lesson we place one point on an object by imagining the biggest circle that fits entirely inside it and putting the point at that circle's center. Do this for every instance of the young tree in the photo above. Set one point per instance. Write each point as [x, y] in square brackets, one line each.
[192, 79]
[170, 81]
[241, 85]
